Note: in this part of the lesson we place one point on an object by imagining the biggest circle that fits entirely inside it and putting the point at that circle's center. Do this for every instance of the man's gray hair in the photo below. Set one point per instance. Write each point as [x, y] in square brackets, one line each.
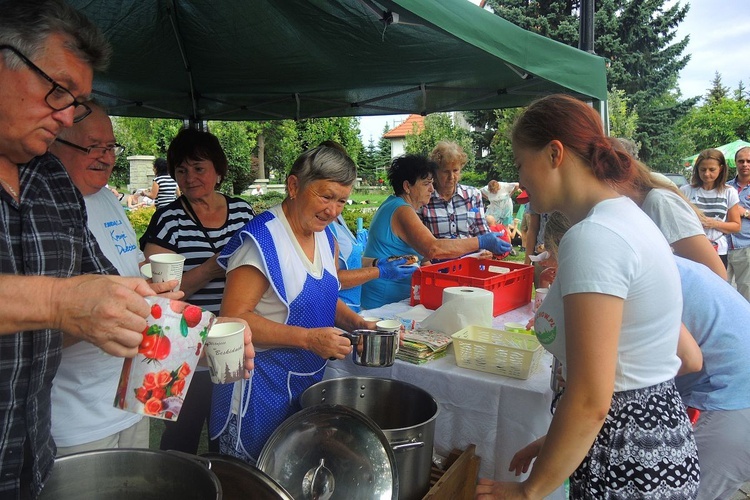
[26, 25]
[324, 163]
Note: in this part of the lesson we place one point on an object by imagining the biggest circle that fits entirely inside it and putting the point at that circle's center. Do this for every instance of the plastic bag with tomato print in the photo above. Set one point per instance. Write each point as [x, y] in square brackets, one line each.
[156, 380]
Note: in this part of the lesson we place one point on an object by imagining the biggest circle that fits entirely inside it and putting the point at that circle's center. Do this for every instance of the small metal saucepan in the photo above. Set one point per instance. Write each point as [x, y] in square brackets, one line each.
[373, 348]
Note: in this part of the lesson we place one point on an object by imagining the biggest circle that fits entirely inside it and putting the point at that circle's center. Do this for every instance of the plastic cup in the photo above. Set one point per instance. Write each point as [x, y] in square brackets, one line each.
[166, 267]
[225, 352]
[515, 327]
[539, 297]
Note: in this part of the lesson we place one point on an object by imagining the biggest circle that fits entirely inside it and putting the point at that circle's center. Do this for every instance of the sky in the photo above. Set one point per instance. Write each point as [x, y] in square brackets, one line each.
[719, 41]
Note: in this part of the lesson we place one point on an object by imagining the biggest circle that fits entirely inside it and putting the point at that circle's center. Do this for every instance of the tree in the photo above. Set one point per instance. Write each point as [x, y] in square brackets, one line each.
[716, 123]
[638, 38]
[484, 126]
[282, 147]
[344, 130]
[383, 155]
[238, 140]
[718, 91]
[501, 146]
[368, 162]
[141, 136]
[741, 93]
[439, 127]
[622, 122]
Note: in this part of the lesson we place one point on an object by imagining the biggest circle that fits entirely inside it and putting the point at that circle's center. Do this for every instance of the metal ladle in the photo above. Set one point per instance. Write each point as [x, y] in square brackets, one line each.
[318, 483]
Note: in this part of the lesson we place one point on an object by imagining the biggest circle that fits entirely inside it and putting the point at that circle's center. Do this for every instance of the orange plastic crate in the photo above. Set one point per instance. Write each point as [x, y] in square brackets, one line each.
[512, 288]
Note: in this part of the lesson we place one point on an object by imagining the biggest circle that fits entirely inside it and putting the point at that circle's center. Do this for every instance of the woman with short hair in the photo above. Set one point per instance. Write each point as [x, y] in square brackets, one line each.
[282, 279]
[396, 229]
[197, 225]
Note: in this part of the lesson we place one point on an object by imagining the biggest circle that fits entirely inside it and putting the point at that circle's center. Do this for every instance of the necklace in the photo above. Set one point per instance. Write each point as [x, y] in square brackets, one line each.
[10, 189]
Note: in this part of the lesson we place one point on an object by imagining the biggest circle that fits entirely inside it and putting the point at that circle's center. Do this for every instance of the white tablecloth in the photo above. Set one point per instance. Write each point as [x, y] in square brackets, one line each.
[500, 415]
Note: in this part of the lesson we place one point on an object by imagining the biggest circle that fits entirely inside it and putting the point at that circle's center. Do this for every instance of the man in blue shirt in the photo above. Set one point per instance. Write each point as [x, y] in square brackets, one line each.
[739, 251]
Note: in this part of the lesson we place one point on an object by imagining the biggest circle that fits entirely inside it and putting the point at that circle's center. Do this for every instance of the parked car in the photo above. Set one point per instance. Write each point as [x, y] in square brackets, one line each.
[678, 179]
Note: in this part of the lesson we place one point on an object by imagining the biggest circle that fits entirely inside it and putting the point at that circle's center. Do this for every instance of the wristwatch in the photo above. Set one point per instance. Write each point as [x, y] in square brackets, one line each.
[746, 214]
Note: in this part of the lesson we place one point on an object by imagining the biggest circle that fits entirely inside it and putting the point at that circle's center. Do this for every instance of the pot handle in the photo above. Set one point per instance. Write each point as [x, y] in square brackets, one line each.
[353, 338]
[196, 458]
[407, 445]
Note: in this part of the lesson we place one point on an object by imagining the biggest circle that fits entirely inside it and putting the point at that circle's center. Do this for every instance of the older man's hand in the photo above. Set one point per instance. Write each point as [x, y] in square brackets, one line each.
[108, 311]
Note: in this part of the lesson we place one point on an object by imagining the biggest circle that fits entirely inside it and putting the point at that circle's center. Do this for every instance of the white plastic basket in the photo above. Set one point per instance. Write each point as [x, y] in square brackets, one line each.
[497, 351]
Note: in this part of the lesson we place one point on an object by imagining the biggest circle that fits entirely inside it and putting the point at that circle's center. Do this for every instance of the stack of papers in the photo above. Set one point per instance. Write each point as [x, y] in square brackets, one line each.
[421, 345]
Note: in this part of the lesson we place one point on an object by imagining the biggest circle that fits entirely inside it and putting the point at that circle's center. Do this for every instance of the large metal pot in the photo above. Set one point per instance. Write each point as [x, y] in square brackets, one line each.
[240, 480]
[405, 413]
[124, 474]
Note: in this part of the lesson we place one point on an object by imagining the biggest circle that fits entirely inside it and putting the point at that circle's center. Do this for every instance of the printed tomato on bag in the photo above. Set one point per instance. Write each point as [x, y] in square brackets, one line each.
[156, 380]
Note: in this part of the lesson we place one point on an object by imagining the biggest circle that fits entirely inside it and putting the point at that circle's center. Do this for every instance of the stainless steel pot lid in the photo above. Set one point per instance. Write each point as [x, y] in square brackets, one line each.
[331, 452]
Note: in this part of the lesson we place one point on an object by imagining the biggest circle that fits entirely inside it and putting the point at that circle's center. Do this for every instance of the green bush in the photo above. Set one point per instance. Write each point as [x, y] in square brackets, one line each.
[352, 212]
[263, 202]
[140, 218]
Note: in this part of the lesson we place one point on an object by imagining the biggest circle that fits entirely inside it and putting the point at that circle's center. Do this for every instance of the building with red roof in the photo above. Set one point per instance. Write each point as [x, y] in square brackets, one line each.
[413, 124]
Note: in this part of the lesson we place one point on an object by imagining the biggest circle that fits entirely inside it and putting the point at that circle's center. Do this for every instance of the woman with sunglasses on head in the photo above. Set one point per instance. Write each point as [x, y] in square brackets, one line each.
[612, 317]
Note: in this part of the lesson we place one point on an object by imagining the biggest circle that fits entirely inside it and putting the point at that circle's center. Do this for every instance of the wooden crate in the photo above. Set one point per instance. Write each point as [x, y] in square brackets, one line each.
[459, 480]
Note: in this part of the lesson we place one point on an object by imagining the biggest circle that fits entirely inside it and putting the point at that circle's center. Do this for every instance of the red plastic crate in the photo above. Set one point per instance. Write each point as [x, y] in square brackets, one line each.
[511, 289]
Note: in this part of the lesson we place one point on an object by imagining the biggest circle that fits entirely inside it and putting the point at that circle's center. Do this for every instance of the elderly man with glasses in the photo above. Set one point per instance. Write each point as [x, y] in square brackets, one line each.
[83, 418]
[48, 257]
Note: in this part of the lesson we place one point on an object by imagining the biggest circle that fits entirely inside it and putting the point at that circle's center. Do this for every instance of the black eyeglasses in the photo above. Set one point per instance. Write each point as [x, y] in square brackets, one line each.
[59, 97]
[95, 151]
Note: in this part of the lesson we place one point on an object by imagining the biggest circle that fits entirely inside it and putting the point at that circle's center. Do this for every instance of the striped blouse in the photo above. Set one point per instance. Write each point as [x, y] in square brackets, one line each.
[172, 228]
[167, 190]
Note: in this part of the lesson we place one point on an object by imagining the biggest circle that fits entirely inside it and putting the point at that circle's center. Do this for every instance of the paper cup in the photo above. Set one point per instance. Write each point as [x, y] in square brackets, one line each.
[156, 380]
[146, 271]
[166, 267]
[541, 293]
[225, 352]
[388, 325]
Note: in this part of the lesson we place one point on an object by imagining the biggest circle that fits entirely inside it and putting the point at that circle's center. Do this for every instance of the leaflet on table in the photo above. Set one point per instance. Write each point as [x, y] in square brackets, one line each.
[435, 341]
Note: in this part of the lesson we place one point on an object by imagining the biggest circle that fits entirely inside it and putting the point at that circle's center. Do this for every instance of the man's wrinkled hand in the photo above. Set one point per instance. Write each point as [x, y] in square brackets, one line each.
[107, 311]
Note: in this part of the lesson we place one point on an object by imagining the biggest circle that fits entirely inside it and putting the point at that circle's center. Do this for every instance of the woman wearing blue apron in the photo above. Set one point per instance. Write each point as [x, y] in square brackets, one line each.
[282, 279]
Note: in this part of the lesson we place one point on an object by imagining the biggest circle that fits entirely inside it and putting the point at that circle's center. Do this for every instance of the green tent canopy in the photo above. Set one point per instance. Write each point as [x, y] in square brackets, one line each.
[277, 59]
[728, 150]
